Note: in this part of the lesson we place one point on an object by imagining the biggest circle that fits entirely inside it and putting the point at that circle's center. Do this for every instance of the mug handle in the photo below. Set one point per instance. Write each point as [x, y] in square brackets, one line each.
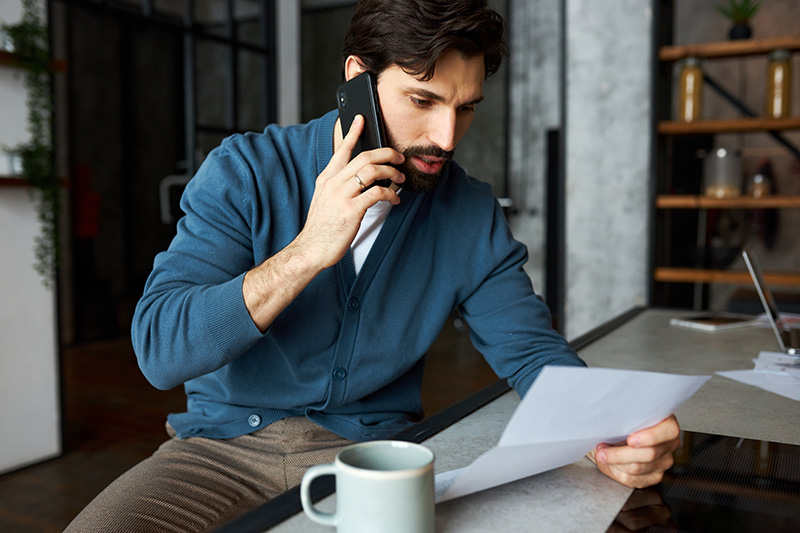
[327, 519]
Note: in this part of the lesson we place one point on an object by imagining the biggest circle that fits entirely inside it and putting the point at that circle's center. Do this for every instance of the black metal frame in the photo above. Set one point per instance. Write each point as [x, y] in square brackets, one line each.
[194, 32]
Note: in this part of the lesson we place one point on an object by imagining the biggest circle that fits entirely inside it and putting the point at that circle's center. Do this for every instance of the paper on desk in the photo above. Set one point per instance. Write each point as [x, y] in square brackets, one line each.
[789, 320]
[564, 415]
[775, 372]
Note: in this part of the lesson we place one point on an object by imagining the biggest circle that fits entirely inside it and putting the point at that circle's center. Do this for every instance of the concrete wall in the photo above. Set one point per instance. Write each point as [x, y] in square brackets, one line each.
[29, 378]
[608, 91]
[607, 144]
[535, 100]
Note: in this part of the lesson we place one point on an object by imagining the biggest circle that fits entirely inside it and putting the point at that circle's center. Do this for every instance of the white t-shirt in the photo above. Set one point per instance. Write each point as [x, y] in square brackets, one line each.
[368, 232]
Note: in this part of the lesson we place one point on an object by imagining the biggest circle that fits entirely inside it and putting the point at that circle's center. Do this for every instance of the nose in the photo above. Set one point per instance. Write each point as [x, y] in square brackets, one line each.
[442, 131]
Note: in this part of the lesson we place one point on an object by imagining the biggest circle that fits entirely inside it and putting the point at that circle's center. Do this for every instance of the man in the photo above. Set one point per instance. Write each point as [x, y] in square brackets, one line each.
[296, 302]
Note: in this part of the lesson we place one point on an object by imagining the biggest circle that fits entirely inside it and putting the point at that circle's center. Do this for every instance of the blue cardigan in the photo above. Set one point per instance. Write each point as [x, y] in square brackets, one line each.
[348, 352]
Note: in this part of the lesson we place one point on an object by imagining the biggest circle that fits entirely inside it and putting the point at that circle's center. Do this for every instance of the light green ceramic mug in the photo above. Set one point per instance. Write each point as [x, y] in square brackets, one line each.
[384, 486]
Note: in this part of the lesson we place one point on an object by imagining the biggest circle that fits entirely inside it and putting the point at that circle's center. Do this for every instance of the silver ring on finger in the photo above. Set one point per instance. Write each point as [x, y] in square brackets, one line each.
[361, 183]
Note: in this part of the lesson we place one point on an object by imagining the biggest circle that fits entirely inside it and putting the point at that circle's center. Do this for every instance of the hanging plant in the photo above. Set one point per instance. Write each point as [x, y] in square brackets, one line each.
[32, 55]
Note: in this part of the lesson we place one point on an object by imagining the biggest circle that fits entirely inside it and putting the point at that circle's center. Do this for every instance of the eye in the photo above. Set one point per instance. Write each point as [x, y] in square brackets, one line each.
[467, 109]
[420, 102]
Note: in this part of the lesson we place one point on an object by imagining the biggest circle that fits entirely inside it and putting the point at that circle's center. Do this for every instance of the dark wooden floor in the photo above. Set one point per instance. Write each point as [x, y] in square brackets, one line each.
[113, 419]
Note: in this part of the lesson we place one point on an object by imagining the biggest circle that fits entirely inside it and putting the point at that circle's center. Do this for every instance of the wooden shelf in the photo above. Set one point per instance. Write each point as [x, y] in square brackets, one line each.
[701, 127]
[694, 275]
[694, 201]
[10, 60]
[12, 181]
[737, 48]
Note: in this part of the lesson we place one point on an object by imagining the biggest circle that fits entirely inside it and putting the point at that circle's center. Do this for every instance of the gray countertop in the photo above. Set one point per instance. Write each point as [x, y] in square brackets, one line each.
[721, 406]
[578, 497]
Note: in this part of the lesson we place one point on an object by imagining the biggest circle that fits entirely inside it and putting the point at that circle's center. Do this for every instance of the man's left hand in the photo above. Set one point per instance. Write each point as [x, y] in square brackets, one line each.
[643, 458]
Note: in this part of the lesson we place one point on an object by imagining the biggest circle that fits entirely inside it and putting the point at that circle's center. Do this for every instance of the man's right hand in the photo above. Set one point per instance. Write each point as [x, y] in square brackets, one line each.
[338, 205]
[334, 217]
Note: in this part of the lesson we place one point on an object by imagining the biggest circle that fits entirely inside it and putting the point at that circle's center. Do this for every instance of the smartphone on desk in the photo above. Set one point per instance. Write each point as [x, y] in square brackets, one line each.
[714, 321]
[359, 96]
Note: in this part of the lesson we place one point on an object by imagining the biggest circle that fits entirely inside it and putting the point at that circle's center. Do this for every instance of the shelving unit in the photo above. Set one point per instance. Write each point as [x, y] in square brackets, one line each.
[665, 266]
[740, 48]
[12, 181]
[704, 127]
[699, 201]
[696, 275]
[7, 59]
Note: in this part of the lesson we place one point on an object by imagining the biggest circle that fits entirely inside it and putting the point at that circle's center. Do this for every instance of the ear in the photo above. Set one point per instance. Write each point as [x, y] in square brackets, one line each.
[352, 67]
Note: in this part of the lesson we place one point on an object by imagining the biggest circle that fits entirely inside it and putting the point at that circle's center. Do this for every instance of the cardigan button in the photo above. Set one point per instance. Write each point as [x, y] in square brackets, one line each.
[254, 420]
[339, 374]
[353, 304]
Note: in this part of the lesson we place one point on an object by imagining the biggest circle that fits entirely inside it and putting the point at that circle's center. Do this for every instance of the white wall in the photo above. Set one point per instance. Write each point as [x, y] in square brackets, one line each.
[29, 377]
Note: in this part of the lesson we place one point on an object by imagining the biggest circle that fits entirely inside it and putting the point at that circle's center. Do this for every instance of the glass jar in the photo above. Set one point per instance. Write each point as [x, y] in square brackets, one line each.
[759, 186]
[779, 84]
[690, 96]
[722, 174]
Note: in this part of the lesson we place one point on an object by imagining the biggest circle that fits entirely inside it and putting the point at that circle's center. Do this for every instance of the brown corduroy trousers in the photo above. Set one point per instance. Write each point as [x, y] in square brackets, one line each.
[197, 484]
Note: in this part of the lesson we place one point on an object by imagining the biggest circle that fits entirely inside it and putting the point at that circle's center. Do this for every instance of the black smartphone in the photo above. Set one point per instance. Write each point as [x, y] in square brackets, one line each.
[359, 96]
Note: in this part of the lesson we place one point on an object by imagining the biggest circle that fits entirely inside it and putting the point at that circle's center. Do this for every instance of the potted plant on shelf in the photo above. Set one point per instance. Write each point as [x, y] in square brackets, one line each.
[32, 55]
[739, 12]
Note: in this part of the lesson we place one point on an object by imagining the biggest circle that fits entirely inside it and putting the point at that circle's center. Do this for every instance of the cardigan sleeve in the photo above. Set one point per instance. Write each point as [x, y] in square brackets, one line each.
[191, 319]
[509, 324]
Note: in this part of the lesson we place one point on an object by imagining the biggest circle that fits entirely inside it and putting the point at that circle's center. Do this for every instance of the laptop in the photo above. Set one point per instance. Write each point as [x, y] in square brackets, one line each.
[788, 338]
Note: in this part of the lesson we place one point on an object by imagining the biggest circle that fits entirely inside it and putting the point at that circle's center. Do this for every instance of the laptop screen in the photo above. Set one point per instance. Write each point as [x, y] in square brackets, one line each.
[765, 294]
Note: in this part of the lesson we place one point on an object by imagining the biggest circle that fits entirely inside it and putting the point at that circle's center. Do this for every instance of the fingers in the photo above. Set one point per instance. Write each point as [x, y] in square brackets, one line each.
[638, 475]
[667, 429]
[627, 454]
[642, 460]
[367, 174]
[345, 151]
[370, 166]
[374, 195]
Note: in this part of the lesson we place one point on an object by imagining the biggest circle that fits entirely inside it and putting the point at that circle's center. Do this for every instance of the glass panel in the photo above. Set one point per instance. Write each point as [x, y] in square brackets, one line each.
[212, 16]
[173, 8]
[211, 69]
[206, 142]
[137, 4]
[323, 32]
[248, 15]
[251, 91]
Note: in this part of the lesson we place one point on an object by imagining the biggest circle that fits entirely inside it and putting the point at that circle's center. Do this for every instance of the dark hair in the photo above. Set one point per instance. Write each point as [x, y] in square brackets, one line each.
[414, 34]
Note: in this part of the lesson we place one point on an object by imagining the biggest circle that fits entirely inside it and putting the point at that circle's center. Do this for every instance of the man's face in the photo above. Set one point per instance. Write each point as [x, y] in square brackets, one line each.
[425, 120]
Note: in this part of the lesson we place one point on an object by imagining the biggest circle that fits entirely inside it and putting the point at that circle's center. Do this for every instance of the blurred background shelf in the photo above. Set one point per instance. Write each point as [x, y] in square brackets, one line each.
[9, 59]
[737, 48]
[702, 127]
[695, 275]
[695, 201]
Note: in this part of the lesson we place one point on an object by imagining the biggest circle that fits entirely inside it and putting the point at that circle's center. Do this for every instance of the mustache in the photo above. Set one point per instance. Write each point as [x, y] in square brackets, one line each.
[429, 151]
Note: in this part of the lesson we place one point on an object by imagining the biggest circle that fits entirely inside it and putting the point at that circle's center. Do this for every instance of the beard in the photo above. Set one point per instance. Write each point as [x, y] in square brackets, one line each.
[416, 180]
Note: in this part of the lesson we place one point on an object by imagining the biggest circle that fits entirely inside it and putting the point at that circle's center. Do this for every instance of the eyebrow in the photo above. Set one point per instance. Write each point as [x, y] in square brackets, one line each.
[433, 96]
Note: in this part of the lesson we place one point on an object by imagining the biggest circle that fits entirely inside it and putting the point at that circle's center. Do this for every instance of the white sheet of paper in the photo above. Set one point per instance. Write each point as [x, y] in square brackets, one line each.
[564, 415]
[777, 362]
[775, 372]
[785, 384]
